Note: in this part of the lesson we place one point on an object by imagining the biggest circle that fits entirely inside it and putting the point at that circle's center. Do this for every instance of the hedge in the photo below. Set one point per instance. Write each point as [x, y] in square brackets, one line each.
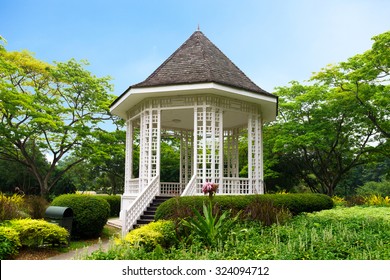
[115, 204]
[35, 233]
[295, 203]
[90, 213]
[9, 242]
[155, 233]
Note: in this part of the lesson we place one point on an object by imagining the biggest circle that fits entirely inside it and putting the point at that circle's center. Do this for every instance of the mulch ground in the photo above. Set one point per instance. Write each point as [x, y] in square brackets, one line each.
[36, 253]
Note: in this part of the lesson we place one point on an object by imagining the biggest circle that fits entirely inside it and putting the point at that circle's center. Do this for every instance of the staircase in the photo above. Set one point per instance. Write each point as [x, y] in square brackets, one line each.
[148, 214]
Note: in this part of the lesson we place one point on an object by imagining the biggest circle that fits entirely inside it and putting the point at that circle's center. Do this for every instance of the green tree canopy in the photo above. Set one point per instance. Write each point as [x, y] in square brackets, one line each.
[324, 134]
[365, 77]
[338, 122]
[51, 108]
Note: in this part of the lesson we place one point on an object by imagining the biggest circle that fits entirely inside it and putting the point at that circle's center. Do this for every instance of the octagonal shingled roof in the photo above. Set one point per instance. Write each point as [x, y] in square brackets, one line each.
[198, 60]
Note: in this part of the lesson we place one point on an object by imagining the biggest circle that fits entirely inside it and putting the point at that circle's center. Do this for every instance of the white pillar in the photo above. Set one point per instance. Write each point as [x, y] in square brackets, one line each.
[255, 154]
[150, 138]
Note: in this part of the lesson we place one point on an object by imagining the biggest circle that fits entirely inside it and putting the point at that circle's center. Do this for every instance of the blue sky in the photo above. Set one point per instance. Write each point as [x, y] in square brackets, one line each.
[273, 42]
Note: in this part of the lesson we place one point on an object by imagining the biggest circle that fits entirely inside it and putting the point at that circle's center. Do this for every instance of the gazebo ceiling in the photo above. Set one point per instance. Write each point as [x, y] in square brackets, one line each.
[197, 67]
[184, 119]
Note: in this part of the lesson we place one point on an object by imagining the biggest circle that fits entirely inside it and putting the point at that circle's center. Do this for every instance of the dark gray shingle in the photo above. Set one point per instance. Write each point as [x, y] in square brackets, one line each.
[198, 60]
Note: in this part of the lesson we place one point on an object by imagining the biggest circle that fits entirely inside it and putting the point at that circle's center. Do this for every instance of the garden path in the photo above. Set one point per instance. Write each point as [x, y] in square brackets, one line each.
[76, 254]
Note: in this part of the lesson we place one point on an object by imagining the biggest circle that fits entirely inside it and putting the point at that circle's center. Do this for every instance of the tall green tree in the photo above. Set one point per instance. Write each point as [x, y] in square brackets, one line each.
[365, 77]
[51, 108]
[325, 132]
[108, 160]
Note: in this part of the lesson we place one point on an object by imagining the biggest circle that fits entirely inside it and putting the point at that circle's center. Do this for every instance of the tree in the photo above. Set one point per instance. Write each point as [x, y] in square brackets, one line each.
[108, 160]
[325, 132]
[365, 77]
[51, 109]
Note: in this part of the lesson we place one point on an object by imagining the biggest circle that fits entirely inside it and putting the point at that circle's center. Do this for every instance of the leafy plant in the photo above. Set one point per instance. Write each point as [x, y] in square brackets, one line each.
[35, 233]
[11, 207]
[339, 201]
[267, 213]
[211, 229]
[377, 200]
[36, 206]
[160, 233]
[9, 242]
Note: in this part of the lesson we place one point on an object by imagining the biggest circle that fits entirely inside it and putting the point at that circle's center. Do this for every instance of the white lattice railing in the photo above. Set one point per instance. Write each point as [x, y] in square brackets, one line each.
[132, 186]
[190, 188]
[235, 186]
[228, 186]
[171, 189]
[139, 205]
[240, 186]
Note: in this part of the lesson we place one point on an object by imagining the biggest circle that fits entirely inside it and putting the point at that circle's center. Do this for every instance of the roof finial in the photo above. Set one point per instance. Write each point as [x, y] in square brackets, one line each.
[198, 27]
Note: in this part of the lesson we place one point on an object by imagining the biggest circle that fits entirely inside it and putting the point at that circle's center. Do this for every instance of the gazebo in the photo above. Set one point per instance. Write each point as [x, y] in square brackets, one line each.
[203, 98]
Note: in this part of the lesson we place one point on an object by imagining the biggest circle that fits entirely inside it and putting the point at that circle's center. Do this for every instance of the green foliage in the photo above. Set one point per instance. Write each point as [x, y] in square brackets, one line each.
[378, 188]
[322, 133]
[9, 242]
[36, 206]
[160, 233]
[35, 233]
[180, 208]
[15, 174]
[356, 233]
[90, 213]
[377, 200]
[115, 204]
[49, 109]
[338, 122]
[364, 78]
[10, 207]
[266, 213]
[211, 229]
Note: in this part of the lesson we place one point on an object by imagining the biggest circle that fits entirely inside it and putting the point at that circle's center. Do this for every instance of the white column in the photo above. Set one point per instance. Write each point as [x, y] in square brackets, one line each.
[255, 154]
[129, 156]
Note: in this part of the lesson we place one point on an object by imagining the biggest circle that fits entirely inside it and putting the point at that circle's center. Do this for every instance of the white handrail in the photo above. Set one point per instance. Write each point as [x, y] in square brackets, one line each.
[191, 187]
[139, 205]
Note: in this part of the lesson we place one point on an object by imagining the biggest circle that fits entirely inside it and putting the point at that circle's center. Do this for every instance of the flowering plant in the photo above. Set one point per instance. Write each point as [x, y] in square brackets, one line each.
[209, 188]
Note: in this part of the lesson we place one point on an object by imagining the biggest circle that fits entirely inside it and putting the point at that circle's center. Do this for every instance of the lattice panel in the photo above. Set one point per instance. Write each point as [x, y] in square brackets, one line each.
[209, 144]
[129, 155]
[149, 145]
[255, 147]
[186, 155]
[231, 157]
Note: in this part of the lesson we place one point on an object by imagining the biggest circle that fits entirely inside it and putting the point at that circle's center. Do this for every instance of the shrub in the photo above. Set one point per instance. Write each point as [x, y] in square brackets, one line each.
[149, 236]
[339, 201]
[90, 213]
[265, 212]
[355, 200]
[9, 242]
[115, 204]
[179, 208]
[11, 207]
[377, 200]
[35, 233]
[377, 188]
[36, 206]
